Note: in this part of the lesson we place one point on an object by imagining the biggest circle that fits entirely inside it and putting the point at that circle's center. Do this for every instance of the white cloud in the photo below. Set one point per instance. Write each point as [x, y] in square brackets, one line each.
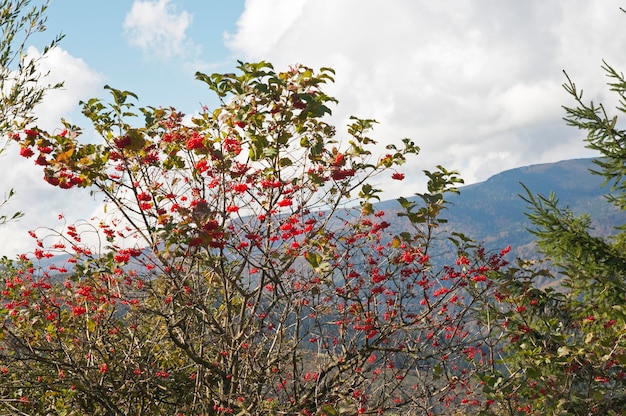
[273, 22]
[80, 82]
[158, 29]
[41, 202]
[477, 85]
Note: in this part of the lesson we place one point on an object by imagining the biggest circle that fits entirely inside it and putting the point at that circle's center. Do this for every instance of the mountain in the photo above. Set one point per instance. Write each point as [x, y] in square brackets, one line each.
[492, 211]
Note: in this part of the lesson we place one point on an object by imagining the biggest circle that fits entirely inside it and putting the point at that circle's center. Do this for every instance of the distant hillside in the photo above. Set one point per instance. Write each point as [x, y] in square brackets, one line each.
[493, 212]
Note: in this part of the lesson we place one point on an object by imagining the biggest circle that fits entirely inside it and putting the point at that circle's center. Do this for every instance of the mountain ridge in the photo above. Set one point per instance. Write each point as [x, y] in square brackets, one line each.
[492, 211]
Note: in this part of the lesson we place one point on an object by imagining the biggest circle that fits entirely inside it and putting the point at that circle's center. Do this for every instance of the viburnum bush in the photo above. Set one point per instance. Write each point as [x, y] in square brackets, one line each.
[242, 268]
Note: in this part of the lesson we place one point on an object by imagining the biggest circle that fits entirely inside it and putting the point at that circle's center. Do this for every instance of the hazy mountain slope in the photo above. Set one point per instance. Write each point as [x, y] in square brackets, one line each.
[493, 212]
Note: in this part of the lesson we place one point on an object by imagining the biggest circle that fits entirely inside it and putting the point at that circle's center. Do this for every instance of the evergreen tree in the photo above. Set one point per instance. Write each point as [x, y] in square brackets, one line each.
[565, 345]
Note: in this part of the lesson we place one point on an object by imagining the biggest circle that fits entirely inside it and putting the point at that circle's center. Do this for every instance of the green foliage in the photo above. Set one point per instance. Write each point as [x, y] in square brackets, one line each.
[439, 184]
[604, 133]
[6, 218]
[21, 83]
[564, 346]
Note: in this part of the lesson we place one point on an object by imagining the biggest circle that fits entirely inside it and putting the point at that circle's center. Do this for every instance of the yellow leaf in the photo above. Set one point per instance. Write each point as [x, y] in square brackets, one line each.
[137, 141]
[64, 157]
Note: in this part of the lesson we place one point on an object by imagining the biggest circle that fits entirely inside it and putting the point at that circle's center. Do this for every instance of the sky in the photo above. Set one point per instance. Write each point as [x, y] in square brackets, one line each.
[477, 84]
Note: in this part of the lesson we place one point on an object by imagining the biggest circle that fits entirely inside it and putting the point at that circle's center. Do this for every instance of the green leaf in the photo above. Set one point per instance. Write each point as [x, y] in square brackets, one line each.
[314, 259]
[329, 410]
